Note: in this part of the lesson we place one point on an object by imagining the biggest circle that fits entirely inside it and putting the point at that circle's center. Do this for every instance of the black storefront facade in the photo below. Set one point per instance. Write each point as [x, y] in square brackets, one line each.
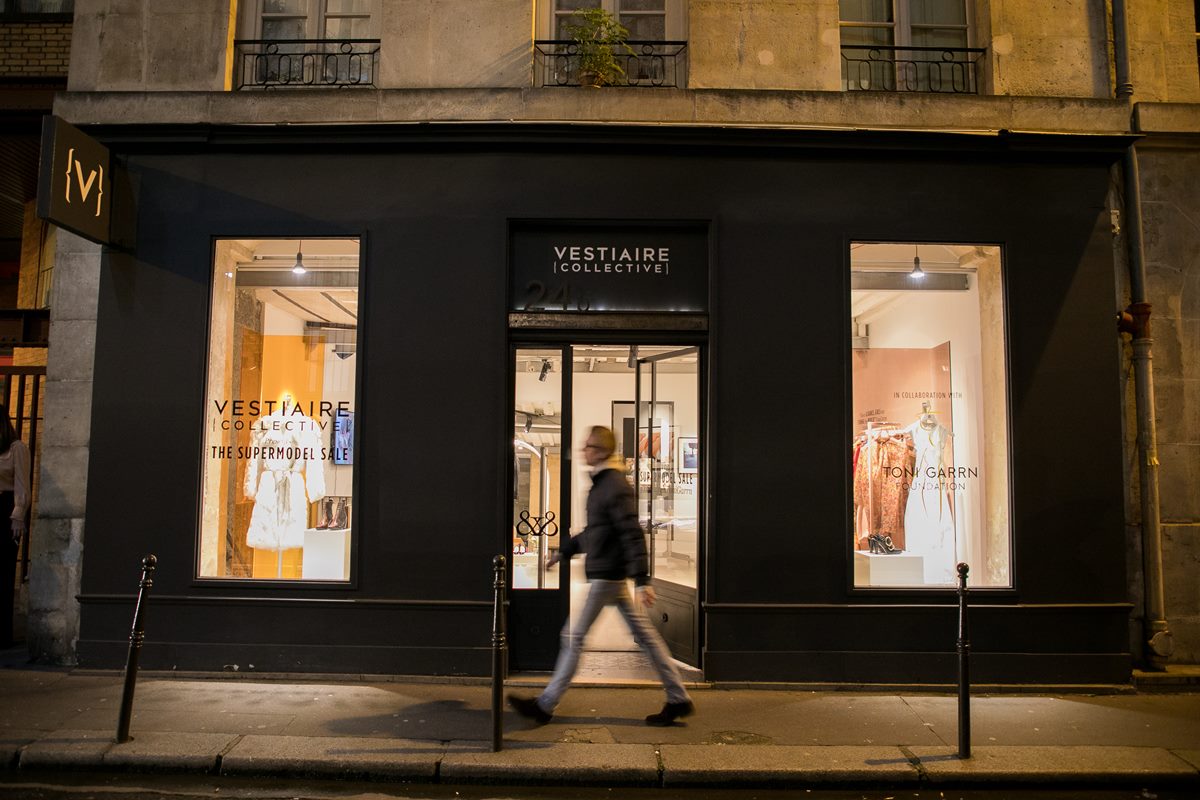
[767, 224]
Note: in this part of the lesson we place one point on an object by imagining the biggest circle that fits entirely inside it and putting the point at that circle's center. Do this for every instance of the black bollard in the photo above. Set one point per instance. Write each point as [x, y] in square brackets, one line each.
[499, 651]
[136, 636]
[964, 675]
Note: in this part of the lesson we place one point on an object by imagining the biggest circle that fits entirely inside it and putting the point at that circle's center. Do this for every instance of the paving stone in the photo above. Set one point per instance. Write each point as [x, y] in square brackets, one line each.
[551, 762]
[1111, 764]
[67, 749]
[173, 751]
[783, 765]
[11, 742]
[1190, 756]
[333, 756]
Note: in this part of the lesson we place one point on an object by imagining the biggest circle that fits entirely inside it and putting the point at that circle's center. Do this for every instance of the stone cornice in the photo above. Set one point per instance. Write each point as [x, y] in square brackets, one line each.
[686, 107]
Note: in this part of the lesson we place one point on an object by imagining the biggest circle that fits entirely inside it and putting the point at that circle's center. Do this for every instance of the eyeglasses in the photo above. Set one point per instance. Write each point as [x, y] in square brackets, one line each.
[592, 447]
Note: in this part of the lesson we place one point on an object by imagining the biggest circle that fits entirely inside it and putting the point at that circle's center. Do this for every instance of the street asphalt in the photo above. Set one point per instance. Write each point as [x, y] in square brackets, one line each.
[364, 728]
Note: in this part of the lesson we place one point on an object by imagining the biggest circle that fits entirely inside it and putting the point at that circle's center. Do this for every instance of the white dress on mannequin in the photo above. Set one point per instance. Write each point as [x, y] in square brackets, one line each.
[929, 516]
[284, 468]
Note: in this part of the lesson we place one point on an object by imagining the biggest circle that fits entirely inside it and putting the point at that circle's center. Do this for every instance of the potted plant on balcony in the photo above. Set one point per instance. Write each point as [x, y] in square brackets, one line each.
[598, 39]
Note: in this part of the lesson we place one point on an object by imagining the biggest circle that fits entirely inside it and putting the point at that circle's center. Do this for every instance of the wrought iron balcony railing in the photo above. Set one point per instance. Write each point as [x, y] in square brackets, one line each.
[289, 63]
[648, 64]
[877, 68]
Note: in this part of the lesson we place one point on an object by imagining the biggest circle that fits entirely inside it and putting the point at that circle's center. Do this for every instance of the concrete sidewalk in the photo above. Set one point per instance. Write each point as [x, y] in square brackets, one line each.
[440, 731]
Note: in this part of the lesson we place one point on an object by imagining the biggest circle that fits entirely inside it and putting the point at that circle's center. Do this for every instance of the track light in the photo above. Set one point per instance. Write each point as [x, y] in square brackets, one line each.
[528, 422]
[633, 357]
[298, 267]
[917, 273]
[545, 370]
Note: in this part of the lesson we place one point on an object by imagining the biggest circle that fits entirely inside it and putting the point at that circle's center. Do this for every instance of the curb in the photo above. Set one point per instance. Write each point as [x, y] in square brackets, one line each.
[644, 765]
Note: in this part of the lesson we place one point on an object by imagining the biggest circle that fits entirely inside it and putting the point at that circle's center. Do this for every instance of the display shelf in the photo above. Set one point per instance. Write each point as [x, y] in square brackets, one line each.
[326, 555]
[888, 569]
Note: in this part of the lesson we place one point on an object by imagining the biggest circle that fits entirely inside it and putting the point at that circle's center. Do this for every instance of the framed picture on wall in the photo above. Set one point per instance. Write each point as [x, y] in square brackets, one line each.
[632, 443]
[689, 454]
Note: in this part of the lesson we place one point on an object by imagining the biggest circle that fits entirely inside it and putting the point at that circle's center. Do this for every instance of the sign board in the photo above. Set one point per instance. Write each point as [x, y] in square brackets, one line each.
[586, 267]
[75, 181]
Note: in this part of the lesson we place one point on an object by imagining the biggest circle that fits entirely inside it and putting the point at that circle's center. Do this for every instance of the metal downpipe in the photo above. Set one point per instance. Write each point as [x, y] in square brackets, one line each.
[1121, 50]
[1158, 643]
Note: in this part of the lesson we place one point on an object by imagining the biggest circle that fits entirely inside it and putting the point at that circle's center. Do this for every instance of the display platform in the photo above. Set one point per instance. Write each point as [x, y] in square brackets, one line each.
[888, 569]
[326, 555]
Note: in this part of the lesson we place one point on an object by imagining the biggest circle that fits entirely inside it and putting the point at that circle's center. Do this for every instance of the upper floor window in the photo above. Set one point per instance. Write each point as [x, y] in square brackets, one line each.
[308, 43]
[646, 20]
[36, 8]
[655, 57]
[908, 45]
[314, 19]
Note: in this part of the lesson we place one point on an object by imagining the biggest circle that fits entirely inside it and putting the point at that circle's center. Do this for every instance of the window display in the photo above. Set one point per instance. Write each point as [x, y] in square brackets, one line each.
[929, 455]
[279, 412]
[537, 467]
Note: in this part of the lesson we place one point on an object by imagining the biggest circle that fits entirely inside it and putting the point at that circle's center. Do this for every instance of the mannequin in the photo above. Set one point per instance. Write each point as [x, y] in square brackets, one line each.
[929, 514]
[283, 475]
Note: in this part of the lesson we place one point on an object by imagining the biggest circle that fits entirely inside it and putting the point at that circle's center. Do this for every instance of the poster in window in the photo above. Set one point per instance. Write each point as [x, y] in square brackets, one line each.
[689, 454]
[343, 438]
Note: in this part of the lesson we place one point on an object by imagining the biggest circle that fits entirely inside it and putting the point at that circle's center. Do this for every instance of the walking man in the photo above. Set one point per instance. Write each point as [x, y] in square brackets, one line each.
[616, 550]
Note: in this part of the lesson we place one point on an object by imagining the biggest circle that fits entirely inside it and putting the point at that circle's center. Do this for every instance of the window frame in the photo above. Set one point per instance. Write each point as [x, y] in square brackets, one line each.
[902, 26]
[1012, 588]
[268, 583]
[10, 13]
[316, 19]
[674, 14]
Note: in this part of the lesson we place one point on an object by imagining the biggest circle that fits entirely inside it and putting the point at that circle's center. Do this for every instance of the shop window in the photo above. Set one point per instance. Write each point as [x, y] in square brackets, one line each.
[929, 453]
[907, 45]
[537, 467]
[280, 412]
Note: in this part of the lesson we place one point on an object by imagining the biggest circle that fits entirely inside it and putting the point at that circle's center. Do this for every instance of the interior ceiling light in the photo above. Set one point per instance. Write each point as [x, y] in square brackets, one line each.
[528, 422]
[298, 267]
[633, 356]
[545, 370]
[917, 273]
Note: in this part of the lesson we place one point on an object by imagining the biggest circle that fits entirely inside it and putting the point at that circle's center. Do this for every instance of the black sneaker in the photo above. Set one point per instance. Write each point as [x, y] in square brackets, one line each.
[528, 708]
[671, 712]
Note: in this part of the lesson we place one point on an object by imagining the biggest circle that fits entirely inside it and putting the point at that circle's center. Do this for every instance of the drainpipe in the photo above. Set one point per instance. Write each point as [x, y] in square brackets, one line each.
[1135, 320]
[1121, 50]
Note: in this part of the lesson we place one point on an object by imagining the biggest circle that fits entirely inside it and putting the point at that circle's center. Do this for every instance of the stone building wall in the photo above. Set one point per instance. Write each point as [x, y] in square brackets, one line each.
[1171, 219]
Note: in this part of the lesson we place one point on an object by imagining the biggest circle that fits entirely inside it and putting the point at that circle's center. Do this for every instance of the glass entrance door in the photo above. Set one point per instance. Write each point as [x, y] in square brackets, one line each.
[537, 602]
[560, 392]
[667, 480]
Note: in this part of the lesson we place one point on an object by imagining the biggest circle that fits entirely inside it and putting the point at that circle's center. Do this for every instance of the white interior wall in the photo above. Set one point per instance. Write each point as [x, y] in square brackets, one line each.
[926, 319]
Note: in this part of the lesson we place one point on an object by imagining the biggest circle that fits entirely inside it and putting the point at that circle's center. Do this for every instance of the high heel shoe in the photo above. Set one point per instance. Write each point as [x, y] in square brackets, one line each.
[324, 513]
[881, 544]
[341, 516]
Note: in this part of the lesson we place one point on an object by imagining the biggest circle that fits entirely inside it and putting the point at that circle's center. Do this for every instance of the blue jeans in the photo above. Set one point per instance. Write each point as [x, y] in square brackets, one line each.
[606, 593]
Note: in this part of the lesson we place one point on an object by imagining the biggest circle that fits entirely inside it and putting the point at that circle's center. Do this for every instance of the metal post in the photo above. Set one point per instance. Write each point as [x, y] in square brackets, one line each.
[499, 650]
[964, 676]
[136, 636]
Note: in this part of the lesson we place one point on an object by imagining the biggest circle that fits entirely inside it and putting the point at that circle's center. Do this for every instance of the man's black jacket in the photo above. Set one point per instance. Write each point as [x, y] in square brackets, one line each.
[613, 540]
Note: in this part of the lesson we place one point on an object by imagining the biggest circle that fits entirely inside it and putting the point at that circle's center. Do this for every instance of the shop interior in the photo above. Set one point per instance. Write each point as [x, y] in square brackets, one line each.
[279, 410]
[659, 452]
[929, 453]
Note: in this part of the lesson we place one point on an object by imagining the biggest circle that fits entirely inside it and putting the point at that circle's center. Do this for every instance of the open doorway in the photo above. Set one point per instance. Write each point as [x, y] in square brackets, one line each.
[651, 396]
